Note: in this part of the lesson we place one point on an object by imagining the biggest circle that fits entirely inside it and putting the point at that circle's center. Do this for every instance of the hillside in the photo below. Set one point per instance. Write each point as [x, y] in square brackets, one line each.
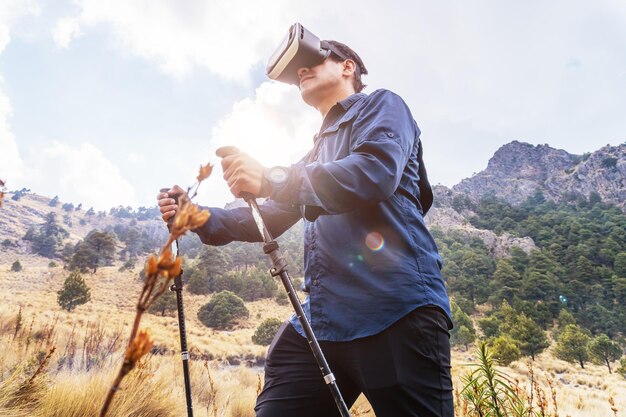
[30, 209]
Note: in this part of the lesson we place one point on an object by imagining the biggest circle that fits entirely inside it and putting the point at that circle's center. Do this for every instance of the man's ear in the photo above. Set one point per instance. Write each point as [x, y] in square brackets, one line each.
[349, 67]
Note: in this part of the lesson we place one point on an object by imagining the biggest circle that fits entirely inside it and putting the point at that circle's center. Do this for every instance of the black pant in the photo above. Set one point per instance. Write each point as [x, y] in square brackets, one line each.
[403, 371]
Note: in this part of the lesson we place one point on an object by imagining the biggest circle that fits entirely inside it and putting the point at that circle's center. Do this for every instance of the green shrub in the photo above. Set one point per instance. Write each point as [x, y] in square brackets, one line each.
[223, 311]
[282, 298]
[74, 292]
[16, 266]
[505, 350]
[266, 331]
[164, 304]
[622, 367]
[609, 162]
[489, 392]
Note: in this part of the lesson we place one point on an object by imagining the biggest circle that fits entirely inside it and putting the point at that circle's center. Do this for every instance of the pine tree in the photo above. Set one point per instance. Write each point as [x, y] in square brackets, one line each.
[463, 332]
[505, 350]
[16, 266]
[506, 281]
[97, 249]
[572, 345]
[74, 292]
[529, 336]
[46, 238]
[620, 264]
[212, 263]
[166, 302]
[604, 350]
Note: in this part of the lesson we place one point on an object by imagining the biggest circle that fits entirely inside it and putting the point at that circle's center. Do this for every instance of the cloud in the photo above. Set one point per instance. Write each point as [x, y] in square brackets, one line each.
[275, 127]
[11, 166]
[181, 35]
[10, 11]
[78, 174]
[65, 30]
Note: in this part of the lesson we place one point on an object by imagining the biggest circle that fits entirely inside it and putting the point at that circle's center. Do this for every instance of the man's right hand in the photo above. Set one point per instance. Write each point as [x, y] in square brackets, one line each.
[167, 204]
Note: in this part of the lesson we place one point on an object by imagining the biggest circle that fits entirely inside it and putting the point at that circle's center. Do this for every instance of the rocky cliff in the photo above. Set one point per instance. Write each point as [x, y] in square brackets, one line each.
[518, 169]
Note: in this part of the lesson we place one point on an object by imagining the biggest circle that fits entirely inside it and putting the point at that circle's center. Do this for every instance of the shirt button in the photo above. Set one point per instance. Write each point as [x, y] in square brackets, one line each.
[390, 134]
[316, 282]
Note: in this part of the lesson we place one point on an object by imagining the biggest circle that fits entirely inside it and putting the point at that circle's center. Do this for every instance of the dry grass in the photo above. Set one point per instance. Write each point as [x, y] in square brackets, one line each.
[89, 344]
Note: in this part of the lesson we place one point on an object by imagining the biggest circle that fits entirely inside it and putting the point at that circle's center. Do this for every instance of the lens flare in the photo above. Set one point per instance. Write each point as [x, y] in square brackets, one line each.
[374, 241]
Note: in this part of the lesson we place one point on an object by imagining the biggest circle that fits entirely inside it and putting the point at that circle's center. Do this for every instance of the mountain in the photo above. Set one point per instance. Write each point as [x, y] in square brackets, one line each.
[517, 170]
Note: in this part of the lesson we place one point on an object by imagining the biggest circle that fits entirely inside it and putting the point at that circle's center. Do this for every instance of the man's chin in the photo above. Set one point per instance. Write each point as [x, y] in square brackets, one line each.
[308, 96]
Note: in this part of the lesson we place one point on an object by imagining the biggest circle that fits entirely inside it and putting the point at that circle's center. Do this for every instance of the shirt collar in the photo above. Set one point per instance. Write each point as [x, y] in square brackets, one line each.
[348, 102]
[337, 111]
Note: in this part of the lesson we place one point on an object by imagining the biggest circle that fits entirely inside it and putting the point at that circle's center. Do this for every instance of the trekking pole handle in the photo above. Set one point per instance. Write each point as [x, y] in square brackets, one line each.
[171, 219]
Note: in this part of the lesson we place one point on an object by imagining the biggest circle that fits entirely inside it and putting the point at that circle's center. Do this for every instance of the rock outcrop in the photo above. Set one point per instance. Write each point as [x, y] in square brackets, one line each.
[518, 169]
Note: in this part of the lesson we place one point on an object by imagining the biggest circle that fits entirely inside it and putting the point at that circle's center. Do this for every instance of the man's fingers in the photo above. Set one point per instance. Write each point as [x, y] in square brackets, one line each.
[230, 165]
[168, 215]
[175, 190]
[225, 151]
[169, 207]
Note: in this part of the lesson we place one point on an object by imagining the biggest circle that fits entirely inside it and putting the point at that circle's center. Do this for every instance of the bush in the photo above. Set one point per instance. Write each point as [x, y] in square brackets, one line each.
[282, 298]
[129, 265]
[223, 311]
[16, 267]
[164, 304]
[463, 332]
[74, 292]
[604, 351]
[622, 367]
[487, 391]
[266, 331]
[573, 345]
[609, 162]
[505, 350]
[490, 326]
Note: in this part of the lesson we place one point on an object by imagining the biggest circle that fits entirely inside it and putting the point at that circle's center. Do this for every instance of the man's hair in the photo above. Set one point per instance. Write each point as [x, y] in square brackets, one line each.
[350, 54]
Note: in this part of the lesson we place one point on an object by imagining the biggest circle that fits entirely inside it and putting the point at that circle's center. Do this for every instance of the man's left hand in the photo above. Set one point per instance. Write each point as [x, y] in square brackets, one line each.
[243, 173]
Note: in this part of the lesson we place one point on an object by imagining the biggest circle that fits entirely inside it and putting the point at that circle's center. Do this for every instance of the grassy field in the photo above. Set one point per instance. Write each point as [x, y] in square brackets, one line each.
[56, 363]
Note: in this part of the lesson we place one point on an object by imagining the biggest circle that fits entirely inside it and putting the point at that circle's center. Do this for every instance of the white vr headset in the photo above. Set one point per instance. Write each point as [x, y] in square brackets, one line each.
[300, 48]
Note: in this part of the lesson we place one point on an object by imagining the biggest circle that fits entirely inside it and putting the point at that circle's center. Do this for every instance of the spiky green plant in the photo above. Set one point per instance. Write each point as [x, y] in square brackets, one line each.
[488, 392]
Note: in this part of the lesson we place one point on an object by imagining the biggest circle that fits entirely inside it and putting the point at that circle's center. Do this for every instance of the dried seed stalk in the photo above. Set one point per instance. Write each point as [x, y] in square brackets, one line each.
[188, 217]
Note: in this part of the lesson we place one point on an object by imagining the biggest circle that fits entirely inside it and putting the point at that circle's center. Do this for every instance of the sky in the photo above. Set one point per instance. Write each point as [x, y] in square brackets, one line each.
[104, 102]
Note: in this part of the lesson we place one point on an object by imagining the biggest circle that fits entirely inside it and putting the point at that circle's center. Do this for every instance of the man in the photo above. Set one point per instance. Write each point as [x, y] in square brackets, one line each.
[376, 298]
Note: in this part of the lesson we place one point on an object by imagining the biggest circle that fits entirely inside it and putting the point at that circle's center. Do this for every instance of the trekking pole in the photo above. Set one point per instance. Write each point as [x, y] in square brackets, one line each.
[177, 287]
[279, 268]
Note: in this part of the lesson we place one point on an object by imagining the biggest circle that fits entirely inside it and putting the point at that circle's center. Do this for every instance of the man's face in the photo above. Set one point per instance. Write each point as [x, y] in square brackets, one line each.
[321, 81]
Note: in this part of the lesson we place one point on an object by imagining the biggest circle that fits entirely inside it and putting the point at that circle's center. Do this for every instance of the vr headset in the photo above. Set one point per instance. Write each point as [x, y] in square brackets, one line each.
[300, 48]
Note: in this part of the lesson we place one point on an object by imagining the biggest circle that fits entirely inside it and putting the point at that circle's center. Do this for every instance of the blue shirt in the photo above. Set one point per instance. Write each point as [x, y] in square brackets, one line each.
[368, 258]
